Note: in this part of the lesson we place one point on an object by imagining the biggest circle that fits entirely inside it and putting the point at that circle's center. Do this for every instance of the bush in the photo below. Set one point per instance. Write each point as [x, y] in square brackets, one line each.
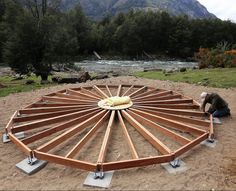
[216, 58]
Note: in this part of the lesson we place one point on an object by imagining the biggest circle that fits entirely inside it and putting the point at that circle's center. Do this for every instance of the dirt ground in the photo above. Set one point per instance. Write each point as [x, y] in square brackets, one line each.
[208, 168]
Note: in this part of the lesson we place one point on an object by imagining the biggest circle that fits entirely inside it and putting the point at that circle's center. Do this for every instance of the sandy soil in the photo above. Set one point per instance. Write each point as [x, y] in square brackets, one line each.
[208, 168]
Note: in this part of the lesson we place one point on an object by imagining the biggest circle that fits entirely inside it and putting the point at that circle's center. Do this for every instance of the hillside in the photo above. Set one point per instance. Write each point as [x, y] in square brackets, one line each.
[98, 9]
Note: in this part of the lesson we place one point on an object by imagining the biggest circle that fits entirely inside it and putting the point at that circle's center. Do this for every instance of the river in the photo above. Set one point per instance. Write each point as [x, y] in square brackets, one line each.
[127, 66]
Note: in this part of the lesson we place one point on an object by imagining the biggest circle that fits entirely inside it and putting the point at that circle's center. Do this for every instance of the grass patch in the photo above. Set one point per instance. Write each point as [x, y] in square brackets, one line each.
[218, 77]
[15, 86]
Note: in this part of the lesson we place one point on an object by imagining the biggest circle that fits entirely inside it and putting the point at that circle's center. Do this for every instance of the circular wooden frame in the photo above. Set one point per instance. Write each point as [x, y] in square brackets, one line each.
[68, 113]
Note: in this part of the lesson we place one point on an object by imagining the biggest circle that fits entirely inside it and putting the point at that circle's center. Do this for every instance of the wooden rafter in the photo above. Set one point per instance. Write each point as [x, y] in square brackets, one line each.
[74, 116]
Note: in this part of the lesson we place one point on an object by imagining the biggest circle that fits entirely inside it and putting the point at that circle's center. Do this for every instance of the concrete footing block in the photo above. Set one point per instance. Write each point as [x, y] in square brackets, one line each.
[209, 144]
[102, 183]
[6, 139]
[173, 170]
[31, 168]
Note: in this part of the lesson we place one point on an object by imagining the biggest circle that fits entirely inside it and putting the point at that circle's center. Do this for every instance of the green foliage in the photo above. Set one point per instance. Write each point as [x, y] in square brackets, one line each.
[218, 77]
[39, 37]
[16, 86]
[216, 57]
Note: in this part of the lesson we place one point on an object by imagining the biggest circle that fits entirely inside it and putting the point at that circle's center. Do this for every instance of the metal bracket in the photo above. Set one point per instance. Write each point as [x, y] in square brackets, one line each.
[175, 163]
[210, 140]
[98, 174]
[32, 160]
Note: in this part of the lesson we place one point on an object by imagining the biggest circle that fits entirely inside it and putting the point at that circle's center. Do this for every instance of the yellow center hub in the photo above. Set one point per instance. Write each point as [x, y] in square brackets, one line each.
[115, 103]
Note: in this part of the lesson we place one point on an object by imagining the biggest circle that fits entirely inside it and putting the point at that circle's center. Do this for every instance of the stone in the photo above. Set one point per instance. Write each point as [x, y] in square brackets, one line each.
[31, 169]
[103, 183]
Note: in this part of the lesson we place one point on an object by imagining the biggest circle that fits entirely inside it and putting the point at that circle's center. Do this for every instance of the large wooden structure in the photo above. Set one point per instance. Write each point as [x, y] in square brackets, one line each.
[61, 117]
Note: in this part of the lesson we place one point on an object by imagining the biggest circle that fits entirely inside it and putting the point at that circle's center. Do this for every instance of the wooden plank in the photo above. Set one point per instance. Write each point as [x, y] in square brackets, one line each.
[44, 116]
[143, 88]
[172, 123]
[10, 123]
[147, 93]
[82, 95]
[171, 106]
[44, 122]
[109, 92]
[86, 138]
[146, 134]
[67, 100]
[135, 162]
[127, 137]
[211, 129]
[176, 101]
[65, 161]
[190, 145]
[175, 117]
[20, 145]
[47, 104]
[103, 150]
[125, 93]
[58, 128]
[176, 137]
[119, 90]
[173, 111]
[71, 132]
[91, 93]
[158, 94]
[100, 92]
[71, 96]
[40, 110]
[168, 97]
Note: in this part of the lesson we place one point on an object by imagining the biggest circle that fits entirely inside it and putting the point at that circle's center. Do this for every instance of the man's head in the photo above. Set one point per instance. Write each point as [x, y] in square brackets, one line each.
[203, 96]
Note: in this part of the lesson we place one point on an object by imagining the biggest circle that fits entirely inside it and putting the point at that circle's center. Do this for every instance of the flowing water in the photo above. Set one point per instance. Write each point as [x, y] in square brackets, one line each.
[127, 66]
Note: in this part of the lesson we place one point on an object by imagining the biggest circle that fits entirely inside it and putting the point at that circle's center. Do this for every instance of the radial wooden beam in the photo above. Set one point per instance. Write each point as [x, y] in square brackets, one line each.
[108, 90]
[119, 90]
[176, 101]
[100, 92]
[143, 88]
[170, 106]
[51, 104]
[67, 100]
[41, 110]
[172, 123]
[71, 96]
[44, 116]
[44, 122]
[127, 137]
[86, 138]
[71, 132]
[168, 97]
[174, 136]
[103, 150]
[58, 128]
[173, 111]
[91, 93]
[146, 134]
[175, 117]
[83, 95]
[147, 93]
[154, 95]
[128, 90]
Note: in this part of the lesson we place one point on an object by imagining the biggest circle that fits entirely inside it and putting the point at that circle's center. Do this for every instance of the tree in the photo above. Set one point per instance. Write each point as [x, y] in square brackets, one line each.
[33, 45]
